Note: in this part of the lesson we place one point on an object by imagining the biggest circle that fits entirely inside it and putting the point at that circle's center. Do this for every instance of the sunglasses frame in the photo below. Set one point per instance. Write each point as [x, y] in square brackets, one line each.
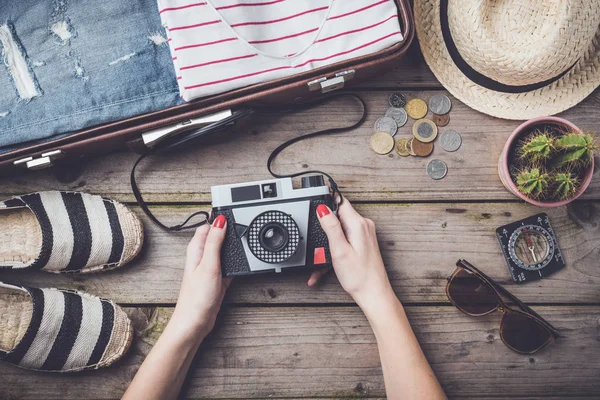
[502, 306]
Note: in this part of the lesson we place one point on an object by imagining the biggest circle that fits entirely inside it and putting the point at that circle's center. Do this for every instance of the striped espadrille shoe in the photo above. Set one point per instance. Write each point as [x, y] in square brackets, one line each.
[60, 330]
[67, 232]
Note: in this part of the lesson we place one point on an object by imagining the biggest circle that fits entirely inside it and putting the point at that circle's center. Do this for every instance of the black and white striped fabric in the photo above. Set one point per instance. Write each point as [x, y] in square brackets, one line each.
[70, 331]
[79, 230]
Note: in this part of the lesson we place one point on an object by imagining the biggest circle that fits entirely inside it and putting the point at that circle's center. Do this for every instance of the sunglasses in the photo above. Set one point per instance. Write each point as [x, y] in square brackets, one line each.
[475, 294]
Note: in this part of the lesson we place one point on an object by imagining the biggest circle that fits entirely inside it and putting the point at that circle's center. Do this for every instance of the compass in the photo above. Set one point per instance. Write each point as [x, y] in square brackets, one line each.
[530, 248]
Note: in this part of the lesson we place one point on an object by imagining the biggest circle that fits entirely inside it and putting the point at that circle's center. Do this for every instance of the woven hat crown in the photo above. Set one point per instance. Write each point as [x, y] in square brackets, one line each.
[522, 42]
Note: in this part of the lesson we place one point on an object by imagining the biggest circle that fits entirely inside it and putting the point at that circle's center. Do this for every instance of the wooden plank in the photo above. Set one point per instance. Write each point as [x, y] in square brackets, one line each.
[331, 352]
[420, 244]
[361, 174]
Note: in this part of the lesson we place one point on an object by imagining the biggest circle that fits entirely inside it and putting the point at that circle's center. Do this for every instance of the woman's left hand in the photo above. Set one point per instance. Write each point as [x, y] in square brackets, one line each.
[203, 287]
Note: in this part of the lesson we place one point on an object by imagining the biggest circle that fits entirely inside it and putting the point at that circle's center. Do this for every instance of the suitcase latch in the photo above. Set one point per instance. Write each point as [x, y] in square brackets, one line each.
[326, 84]
[41, 162]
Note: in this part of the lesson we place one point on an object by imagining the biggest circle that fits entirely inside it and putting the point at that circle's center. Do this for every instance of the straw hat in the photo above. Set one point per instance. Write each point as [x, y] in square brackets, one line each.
[513, 59]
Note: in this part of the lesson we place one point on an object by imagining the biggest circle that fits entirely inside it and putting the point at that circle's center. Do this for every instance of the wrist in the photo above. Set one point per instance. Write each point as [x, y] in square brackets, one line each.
[188, 330]
[379, 305]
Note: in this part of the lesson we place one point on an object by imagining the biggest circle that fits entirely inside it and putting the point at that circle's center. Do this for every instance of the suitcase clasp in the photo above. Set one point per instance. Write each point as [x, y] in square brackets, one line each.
[43, 161]
[327, 85]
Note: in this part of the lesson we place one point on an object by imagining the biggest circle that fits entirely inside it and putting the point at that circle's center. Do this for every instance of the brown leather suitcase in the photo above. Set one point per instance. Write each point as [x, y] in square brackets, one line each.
[128, 133]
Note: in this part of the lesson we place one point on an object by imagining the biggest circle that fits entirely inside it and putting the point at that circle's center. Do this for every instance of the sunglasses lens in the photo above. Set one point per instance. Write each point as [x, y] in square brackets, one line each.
[523, 333]
[471, 294]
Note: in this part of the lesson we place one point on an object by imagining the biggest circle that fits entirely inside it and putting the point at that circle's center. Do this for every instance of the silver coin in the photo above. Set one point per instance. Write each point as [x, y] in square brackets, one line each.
[425, 130]
[397, 114]
[450, 140]
[440, 104]
[386, 124]
[397, 100]
[437, 169]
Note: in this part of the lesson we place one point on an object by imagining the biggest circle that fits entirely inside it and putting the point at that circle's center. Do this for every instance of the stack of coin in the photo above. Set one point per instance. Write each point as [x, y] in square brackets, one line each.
[427, 130]
[440, 106]
[382, 141]
[424, 130]
[424, 133]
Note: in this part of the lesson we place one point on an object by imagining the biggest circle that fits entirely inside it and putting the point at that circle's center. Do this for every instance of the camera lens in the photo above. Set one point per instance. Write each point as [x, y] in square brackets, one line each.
[273, 236]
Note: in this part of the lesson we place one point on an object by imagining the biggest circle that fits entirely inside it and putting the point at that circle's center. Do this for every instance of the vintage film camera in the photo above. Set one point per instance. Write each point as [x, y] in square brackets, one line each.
[271, 225]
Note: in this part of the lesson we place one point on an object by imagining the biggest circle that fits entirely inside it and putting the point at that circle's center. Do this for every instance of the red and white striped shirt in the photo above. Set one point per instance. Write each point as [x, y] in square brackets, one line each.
[221, 45]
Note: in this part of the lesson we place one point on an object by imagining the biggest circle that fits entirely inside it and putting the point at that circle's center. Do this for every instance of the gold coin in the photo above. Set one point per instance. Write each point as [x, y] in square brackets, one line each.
[382, 142]
[401, 148]
[409, 147]
[441, 120]
[422, 149]
[416, 108]
[425, 130]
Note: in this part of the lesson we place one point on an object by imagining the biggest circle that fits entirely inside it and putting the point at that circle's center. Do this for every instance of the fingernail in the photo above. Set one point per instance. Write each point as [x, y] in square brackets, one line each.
[219, 221]
[322, 210]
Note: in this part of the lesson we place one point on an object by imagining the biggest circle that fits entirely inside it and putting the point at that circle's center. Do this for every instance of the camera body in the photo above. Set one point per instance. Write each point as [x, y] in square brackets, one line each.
[271, 226]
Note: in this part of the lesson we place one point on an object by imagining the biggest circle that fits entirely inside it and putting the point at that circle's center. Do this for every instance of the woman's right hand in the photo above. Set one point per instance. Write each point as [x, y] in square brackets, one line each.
[355, 254]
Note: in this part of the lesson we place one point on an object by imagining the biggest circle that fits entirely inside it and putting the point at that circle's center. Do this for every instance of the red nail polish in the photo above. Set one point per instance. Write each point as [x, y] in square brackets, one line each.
[219, 221]
[322, 210]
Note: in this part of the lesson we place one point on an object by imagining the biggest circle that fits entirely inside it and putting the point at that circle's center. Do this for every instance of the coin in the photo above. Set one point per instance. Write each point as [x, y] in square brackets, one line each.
[409, 147]
[450, 140]
[386, 124]
[401, 147]
[421, 149]
[425, 130]
[416, 108]
[398, 115]
[440, 104]
[437, 169]
[397, 100]
[441, 120]
[382, 142]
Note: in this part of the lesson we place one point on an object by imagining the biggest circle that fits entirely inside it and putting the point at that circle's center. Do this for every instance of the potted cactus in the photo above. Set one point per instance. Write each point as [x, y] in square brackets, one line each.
[547, 161]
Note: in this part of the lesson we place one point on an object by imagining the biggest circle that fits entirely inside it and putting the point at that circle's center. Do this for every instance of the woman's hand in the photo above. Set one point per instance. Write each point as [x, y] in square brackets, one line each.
[355, 254]
[203, 287]
[358, 265]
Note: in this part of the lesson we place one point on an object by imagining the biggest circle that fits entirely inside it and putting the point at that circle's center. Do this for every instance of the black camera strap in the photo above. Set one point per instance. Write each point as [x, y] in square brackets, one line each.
[173, 143]
[334, 187]
[222, 124]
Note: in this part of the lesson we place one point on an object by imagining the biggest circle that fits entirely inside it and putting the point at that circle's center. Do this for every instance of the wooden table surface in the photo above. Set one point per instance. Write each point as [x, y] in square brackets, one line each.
[279, 339]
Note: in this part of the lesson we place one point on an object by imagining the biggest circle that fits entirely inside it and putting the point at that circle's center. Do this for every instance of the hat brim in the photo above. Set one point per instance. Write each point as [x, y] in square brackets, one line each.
[571, 88]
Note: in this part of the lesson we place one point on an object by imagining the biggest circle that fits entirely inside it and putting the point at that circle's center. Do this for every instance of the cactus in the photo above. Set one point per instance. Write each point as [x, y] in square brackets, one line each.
[575, 149]
[550, 162]
[538, 147]
[565, 185]
[533, 183]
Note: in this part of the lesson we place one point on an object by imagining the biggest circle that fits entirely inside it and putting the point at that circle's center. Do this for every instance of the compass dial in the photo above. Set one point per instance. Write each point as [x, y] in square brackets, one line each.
[531, 247]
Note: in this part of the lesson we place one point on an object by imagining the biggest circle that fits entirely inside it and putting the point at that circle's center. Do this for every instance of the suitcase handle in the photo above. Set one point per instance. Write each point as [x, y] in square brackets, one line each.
[155, 136]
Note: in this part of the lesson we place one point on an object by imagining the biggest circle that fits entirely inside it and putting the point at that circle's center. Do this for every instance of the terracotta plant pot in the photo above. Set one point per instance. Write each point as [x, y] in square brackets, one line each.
[504, 166]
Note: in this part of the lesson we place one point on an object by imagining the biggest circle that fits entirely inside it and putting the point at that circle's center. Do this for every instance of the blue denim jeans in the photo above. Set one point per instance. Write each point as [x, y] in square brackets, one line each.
[72, 64]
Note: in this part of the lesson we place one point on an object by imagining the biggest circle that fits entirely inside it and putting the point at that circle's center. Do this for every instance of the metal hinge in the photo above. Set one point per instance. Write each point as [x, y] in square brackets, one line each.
[326, 84]
[43, 161]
